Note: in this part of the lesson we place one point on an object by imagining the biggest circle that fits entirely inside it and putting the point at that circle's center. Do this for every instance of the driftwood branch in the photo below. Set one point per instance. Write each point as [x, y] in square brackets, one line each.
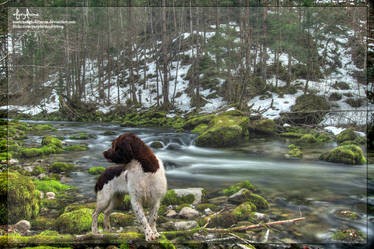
[245, 228]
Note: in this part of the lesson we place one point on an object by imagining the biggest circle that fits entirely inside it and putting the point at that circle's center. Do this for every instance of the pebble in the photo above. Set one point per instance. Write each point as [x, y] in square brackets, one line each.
[171, 213]
[189, 213]
[50, 195]
[185, 225]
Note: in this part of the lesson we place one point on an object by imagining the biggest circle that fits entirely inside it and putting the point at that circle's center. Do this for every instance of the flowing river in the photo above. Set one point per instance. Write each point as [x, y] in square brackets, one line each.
[308, 187]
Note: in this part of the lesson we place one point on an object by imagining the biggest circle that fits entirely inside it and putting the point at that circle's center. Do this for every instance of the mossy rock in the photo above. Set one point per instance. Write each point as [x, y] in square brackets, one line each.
[238, 186]
[262, 127]
[76, 147]
[291, 135]
[171, 198]
[335, 97]
[43, 127]
[76, 222]
[349, 235]
[223, 220]
[96, 170]
[76, 206]
[202, 206]
[109, 133]
[121, 220]
[58, 167]
[307, 139]
[258, 201]
[200, 128]
[50, 186]
[82, 136]
[346, 135]
[43, 223]
[308, 109]
[347, 154]
[36, 152]
[51, 141]
[223, 131]
[295, 153]
[244, 211]
[23, 198]
[181, 206]
[347, 214]
[156, 145]
[191, 123]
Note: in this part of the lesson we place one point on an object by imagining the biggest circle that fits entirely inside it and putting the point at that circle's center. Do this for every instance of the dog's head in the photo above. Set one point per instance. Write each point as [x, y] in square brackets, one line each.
[128, 147]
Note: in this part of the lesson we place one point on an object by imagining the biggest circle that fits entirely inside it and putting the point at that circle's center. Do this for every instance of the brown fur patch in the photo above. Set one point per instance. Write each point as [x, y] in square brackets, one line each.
[127, 147]
[108, 175]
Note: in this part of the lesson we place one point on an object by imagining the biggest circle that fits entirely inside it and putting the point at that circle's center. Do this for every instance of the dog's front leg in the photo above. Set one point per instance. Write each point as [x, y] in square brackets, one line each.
[139, 212]
[153, 218]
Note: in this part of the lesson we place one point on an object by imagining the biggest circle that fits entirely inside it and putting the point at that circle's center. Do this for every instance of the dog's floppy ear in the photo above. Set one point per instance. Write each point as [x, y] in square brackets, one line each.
[121, 151]
[143, 154]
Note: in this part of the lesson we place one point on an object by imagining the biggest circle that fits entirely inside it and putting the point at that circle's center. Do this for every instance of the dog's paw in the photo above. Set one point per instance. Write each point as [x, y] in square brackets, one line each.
[149, 236]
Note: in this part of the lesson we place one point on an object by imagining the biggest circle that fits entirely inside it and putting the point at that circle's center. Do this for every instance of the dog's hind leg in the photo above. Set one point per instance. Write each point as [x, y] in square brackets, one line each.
[153, 218]
[101, 204]
[115, 202]
[139, 212]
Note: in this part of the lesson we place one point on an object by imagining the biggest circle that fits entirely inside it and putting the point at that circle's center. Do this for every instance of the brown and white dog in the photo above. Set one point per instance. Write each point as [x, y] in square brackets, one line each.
[140, 173]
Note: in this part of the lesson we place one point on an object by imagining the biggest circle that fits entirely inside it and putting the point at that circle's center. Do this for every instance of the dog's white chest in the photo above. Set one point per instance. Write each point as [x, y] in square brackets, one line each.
[118, 184]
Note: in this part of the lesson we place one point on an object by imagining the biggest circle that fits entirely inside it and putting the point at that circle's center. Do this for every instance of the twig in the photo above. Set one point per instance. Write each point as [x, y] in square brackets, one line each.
[211, 216]
[245, 228]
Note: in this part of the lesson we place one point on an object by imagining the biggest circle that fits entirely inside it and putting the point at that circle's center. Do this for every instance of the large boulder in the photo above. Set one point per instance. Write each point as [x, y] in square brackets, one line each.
[77, 221]
[346, 135]
[240, 196]
[19, 198]
[223, 130]
[347, 154]
[262, 127]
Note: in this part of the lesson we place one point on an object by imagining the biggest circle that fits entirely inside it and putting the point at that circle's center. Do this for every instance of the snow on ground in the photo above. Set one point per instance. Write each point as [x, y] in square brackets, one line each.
[272, 107]
[334, 130]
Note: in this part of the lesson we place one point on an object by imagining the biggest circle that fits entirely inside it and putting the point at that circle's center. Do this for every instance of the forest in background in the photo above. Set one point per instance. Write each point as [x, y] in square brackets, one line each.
[229, 59]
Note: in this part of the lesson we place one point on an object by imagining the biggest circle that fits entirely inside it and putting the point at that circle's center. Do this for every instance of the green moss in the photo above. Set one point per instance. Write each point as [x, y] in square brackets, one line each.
[295, 153]
[223, 220]
[223, 131]
[81, 136]
[162, 210]
[200, 128]
[76, 206]
[181, 206]
[349, 235]
[96, 170]
[195, 121]
[59, 167]
[35, 152]
[244, 211]
[235, 188]
[165, 243]
[43, 223]
[76, 147]
[46, 247]
[291, 134]
[50, 186]
[201, 207]
[77, 221]
[126, 202]
[23, 200]
[43, 127]
[347, 154]
[171, 198]
[156, 145]
[263, 127]
[49, 233]
[324, 138]
[121, 220]
[346, 135]
[347, 214]
[258, 201]
[51, 141]
[37, 170]
[292, 146]
[307, 139]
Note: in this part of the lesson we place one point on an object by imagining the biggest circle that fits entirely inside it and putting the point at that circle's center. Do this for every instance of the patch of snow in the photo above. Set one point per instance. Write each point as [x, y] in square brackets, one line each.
[334, 130]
